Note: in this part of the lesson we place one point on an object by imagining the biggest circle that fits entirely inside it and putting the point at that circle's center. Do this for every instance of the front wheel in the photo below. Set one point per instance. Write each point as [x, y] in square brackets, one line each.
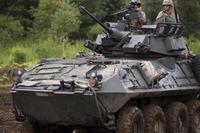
[130, 120]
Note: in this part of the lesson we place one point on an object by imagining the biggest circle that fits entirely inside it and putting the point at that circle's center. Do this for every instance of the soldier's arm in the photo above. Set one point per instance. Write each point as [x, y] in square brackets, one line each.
[144, 18]
[160, 14]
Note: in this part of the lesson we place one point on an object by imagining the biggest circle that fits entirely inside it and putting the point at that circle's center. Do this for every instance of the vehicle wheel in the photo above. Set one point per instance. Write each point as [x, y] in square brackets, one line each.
[196, 66]
[177, 118]
[155, 121]
[130, 120]
[194, 114]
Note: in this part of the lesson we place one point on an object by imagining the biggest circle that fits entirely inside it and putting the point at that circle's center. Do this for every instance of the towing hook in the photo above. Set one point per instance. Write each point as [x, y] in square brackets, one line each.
[19, 116]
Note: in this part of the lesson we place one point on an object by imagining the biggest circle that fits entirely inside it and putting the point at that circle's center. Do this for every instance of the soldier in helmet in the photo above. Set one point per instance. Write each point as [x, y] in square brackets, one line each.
[137, 16]
[167, 9]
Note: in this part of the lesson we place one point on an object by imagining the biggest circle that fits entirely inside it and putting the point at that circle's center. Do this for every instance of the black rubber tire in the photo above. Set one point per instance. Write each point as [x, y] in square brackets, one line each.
[177, 118]
[194, 116]
[196, 66]
[155, 121]
[129, 120]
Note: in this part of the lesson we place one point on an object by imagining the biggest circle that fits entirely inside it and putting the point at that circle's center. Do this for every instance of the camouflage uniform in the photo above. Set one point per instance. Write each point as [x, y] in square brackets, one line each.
[164, 12]
[137, 16]
[137, 22]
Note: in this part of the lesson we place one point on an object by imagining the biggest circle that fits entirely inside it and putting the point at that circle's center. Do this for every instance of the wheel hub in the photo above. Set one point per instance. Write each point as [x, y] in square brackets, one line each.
[197, 120]
[136, 127]
[181, 125]
[158, 127]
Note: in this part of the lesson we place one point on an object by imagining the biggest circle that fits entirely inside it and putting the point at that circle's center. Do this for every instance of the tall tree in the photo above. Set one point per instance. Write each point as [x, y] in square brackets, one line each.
[20, 9]
[100, 8]
[190, 16]
[58, 14]
[10, 29]
[152, 8]
[64, 21]
[57, 18]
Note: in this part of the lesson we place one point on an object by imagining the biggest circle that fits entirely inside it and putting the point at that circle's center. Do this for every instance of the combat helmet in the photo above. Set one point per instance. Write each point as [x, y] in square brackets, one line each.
[168, 2]
[136, 2]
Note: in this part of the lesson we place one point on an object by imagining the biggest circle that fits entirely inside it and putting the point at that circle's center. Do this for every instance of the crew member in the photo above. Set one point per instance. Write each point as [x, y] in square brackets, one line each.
[137, 16]
[167, 9]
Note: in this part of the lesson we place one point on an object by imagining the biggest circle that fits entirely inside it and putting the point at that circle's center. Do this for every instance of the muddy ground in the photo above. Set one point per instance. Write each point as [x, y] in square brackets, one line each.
[7, 118]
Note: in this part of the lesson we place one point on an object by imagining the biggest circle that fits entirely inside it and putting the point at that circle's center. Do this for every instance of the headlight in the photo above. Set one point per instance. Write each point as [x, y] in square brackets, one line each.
[19, 72]
[93, 75]
[15, 74]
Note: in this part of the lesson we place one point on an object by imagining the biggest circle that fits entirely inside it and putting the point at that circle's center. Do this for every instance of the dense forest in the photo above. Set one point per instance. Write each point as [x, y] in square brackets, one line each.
[35, 29]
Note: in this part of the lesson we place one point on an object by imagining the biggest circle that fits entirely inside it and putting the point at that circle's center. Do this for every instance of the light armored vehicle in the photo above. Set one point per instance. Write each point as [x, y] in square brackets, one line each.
[137, 81]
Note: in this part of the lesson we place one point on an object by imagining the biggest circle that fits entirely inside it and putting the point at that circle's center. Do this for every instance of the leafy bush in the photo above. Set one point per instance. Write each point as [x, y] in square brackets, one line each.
[10, 29]
[101, 9]
[3, 54]
[27, 52]
[194, 45]
[46, 49]
[74, 48]
[57, 18]
[94, 31]
[43, 15]
[19, 54]
[152, 8]
[64, 21]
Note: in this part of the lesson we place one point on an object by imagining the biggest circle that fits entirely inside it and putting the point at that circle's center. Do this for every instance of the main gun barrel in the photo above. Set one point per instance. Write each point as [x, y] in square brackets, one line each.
[96, 20]
[120, 13]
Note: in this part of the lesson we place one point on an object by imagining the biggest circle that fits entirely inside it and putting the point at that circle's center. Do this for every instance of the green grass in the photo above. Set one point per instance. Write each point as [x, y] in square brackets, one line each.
[28, 52]
[7, 86]
[31, 51]
[194, 45]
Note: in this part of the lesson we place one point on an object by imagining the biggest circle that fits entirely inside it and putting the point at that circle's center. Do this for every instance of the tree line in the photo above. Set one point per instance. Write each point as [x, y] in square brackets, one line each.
[63, 20]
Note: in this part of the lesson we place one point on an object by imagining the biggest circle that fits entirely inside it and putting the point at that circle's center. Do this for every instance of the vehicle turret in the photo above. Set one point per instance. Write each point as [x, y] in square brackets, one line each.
[159, 40]
[113, 33]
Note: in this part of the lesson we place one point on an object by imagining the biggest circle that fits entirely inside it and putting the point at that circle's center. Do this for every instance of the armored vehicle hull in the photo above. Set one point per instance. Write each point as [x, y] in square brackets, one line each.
[42, 97]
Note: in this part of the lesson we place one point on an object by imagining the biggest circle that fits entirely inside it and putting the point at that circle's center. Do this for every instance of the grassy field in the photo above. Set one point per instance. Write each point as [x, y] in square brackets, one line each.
[30, 51]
